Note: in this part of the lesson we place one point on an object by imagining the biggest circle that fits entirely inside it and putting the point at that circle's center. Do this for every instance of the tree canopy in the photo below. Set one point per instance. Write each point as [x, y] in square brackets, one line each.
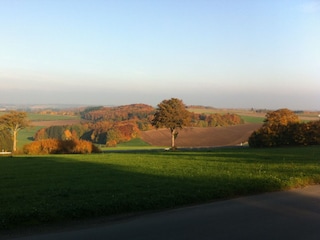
[281, 117]
[282, 128]
[171, 114]
[14, 122]
[5, 140]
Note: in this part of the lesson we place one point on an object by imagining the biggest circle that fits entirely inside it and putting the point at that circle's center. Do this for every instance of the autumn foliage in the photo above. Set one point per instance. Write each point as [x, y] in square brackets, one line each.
[173, 115]
[54, 146]
[13, 122]
[215, 120]
[120, 113]
[112, 125]
[282, 128]
[5, 140]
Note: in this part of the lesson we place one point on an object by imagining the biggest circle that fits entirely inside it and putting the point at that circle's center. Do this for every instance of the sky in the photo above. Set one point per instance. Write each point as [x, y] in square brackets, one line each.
[225, 54]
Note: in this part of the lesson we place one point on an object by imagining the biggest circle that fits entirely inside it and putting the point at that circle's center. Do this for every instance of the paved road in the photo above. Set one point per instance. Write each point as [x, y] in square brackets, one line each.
[282, 215]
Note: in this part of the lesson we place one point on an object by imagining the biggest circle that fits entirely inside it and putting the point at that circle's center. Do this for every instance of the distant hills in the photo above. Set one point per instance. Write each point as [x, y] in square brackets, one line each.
[34, 107]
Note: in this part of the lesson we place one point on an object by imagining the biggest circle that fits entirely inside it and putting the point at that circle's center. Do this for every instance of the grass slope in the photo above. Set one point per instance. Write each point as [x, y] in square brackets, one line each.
[26, 135]
[45, 189]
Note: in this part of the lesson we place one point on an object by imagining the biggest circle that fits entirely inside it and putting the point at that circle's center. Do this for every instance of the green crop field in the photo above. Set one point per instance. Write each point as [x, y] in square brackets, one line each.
[48, 117]
[132, 145]
[57, 188]
[252, 119]
[136, 142]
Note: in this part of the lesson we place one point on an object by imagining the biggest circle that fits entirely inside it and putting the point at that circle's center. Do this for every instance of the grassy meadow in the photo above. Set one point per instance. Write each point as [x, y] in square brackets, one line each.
[49, 117]
[252, 119]
[26, 135]
[55, 188]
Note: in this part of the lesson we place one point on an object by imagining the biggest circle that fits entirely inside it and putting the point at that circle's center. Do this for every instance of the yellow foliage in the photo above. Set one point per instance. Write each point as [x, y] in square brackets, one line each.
[51, 146]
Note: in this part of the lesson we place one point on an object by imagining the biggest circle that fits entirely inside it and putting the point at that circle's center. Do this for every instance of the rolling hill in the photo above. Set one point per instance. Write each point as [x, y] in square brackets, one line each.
[202, 137]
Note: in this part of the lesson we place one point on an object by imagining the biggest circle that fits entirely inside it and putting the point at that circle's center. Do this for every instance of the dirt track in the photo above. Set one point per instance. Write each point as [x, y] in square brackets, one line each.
[202, 137]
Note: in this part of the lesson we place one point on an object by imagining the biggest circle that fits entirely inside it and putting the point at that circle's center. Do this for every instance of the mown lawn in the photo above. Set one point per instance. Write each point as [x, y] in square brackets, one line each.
[46, 189]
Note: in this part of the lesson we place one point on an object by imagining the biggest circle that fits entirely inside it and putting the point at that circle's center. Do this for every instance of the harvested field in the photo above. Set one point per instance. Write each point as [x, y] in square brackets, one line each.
[202, 137]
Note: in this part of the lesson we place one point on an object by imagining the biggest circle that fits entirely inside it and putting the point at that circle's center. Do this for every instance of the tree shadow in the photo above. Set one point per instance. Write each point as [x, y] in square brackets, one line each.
[46, 189]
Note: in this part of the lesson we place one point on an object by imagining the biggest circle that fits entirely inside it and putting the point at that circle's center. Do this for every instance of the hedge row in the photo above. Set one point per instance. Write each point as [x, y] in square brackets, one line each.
[54, 146]
[293, 134]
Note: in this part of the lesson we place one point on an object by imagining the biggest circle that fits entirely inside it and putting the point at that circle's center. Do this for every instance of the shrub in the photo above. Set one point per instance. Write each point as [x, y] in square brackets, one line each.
[52, 146]
[282, 128]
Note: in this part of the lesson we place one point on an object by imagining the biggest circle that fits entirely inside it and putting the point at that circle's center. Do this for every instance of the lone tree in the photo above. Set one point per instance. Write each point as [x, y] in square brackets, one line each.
[14, 122]
[173, 115]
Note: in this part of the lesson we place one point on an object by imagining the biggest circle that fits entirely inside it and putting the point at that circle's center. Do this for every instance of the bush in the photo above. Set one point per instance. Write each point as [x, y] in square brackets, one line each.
[295, 134]
[53, 146]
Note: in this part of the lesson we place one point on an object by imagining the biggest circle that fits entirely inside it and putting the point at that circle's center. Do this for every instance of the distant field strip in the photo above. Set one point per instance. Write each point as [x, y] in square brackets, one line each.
[252, 119]
[49, 117]
[48, 123]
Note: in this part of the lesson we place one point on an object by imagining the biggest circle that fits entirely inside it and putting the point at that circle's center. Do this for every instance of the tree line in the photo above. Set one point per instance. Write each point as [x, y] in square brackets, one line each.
[280, 128]
[283, 128]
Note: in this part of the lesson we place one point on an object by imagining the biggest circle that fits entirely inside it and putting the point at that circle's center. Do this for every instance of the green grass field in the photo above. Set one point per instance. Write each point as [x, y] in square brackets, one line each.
[48, 117]
[26, 135]
[57, 188]
[136, 142]
[252, 119]
[132, 145]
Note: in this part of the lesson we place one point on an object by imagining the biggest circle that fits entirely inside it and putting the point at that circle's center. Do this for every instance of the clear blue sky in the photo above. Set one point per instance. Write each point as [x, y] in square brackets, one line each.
[226, 53]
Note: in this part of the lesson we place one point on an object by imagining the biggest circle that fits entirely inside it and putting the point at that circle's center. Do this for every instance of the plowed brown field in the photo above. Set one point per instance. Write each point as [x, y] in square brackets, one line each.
[202, 137]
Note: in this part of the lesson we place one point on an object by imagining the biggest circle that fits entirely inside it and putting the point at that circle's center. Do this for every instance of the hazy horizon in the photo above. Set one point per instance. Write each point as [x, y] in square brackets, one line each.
[224, 54]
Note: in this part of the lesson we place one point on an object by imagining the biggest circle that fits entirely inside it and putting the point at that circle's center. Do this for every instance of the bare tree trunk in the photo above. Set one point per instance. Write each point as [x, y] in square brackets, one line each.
[172, 138]
[14, 148]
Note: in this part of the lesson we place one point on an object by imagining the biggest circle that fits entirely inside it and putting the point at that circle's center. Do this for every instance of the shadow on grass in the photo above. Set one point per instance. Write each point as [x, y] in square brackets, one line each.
[248, 155]
[48, 189]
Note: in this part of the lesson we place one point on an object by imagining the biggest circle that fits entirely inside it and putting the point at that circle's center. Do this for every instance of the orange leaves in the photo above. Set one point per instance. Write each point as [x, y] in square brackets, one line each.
[67, 134]
[281, 117]
[111, 143]
[215, 120]
[122, 132]
[120, 113]
[52, 146]
[42, 146]
[41, 134]
[128, 130]
[282, 128]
